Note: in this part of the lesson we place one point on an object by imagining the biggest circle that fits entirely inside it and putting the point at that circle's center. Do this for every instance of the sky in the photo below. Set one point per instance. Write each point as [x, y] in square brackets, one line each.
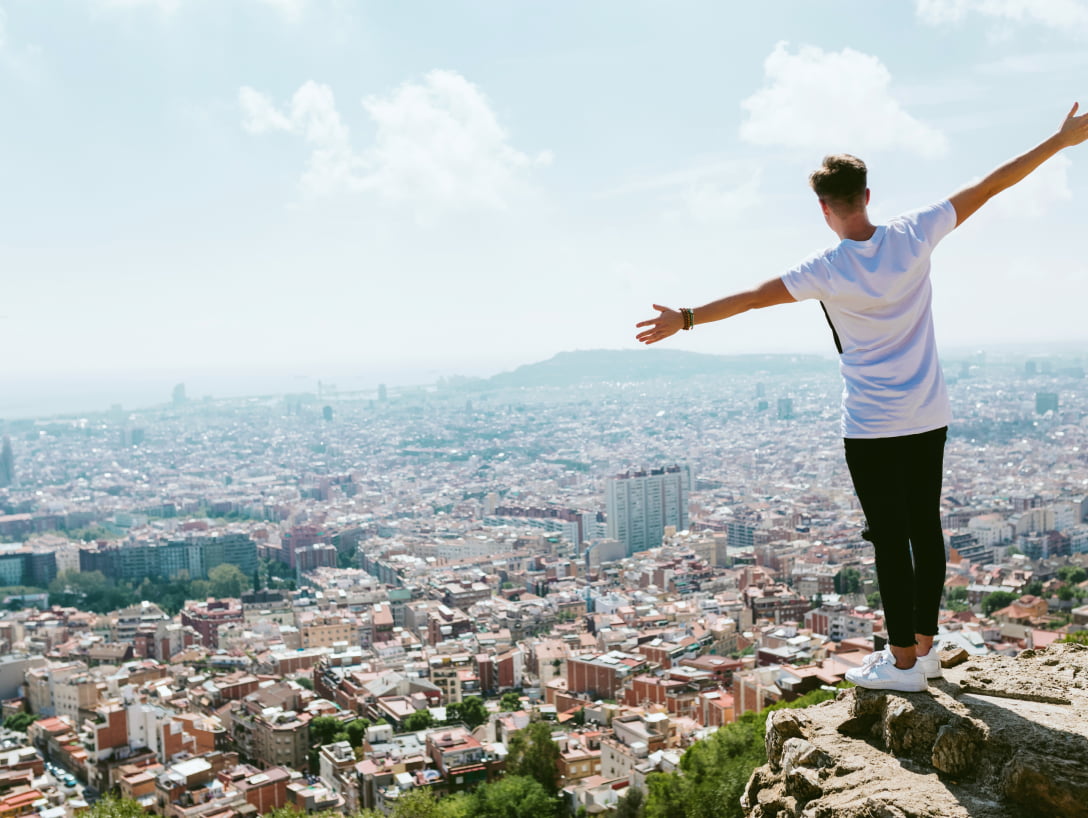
[400, 191]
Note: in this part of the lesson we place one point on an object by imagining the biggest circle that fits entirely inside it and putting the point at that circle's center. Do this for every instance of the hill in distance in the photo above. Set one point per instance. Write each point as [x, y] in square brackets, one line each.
[634, 365]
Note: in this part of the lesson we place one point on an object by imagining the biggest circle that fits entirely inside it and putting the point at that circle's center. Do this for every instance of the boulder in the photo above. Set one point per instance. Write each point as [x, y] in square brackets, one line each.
[997, 737]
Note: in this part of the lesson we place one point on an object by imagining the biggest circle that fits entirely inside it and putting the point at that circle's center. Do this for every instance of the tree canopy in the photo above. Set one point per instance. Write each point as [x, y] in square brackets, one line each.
[514, 796]
[471, 711]
[998, 600]
[113, 807]
[228, 580]
[535, 755]
[848, 581]
[714, 772]
[510, 701]
[420, 720]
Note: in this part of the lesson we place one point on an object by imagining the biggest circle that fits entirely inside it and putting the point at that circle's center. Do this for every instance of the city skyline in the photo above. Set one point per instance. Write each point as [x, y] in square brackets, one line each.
[96, 393]
[288, 185]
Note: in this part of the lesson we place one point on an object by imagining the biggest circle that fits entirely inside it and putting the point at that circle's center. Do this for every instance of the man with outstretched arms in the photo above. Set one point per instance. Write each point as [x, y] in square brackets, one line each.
[874, 287]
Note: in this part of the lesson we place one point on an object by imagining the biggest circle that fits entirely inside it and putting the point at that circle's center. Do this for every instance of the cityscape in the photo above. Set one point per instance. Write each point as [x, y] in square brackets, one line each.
[339, 601]
[342, 472]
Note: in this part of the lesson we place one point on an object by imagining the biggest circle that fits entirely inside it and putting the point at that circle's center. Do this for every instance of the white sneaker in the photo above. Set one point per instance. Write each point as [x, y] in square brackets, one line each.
[931, 664]
[878, 672]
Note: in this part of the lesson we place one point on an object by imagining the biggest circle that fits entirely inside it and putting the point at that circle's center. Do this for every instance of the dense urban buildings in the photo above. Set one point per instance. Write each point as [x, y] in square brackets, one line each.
[259, 604]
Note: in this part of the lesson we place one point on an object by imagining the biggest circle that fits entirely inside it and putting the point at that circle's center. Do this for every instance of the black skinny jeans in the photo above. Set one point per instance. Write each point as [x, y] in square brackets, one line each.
[898, 481]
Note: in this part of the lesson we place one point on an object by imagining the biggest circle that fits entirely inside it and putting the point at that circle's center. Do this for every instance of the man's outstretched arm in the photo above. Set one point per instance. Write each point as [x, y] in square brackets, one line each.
[1073, 131]
[670, 321]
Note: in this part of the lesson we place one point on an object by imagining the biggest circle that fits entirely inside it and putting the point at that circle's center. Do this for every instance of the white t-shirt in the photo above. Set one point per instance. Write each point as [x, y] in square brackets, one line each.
[877, 296]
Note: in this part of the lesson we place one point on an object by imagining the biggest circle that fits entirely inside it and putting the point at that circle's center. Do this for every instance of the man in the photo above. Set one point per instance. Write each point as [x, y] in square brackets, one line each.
[874, 288]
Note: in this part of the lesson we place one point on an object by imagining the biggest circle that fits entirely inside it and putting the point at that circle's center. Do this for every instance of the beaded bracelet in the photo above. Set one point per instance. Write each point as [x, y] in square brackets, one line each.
[689, 317]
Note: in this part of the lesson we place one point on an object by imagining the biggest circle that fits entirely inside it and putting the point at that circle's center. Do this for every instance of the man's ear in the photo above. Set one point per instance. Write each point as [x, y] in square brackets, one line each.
[866, 197]
[823, 206]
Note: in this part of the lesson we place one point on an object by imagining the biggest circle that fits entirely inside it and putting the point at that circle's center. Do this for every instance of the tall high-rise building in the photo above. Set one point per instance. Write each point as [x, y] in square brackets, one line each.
[7, 463]
[641, 504]
[1046, 402]
[785, 408]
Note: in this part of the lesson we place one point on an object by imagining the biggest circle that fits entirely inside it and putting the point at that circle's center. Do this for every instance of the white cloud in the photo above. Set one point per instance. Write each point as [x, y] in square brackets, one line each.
[259, 115]
[440, 141]
[437, 143]
[1061, 14]
[832, 101]
[332, 166]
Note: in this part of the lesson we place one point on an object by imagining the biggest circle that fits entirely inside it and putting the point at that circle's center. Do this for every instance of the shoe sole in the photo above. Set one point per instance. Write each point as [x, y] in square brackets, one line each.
[893, 687]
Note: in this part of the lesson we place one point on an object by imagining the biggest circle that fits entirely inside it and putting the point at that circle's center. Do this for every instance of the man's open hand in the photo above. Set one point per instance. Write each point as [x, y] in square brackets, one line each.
[1075, 128]
[660, 328]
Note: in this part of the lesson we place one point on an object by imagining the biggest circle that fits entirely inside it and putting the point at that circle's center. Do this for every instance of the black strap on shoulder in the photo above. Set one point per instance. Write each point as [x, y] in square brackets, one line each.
[834, 332]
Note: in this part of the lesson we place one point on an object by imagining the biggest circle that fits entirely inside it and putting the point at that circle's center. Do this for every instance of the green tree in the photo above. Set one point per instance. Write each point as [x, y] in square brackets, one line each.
[348, 558]
[113, 807]
[417, 803]
[78, 582]
[356, 731]
[1072, 573]
[1077, 637]
[535, 755]
[957, 593]
[510, 701]
[19, 721]
[289, 811]
[848, 581]
[515, 796]
[422, 803]
[1034, 588]
[420, 720]
[323, 730]
[714, 772]
[665, 796]
[227, 581]
[471, 711]
[997, 600]
[305, 681]
[630, 804]
[90, 591]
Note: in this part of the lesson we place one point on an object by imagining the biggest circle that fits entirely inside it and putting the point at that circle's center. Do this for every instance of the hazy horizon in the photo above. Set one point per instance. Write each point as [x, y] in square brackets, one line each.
[44, 396]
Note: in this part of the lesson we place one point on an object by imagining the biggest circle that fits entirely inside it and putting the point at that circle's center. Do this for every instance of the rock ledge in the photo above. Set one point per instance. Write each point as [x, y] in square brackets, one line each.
[998, 737]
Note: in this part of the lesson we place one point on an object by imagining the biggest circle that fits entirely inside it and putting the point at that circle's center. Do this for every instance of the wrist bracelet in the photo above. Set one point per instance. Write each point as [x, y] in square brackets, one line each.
[689, 317]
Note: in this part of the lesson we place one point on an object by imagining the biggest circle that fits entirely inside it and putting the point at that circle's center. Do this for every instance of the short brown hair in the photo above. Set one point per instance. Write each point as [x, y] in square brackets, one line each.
[840, 181]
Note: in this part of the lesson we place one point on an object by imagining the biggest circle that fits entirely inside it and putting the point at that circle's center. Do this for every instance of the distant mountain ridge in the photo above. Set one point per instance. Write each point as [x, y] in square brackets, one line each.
[601, 365]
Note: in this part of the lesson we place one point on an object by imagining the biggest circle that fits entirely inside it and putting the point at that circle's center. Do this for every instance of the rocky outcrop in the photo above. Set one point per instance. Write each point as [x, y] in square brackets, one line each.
[998, 737]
